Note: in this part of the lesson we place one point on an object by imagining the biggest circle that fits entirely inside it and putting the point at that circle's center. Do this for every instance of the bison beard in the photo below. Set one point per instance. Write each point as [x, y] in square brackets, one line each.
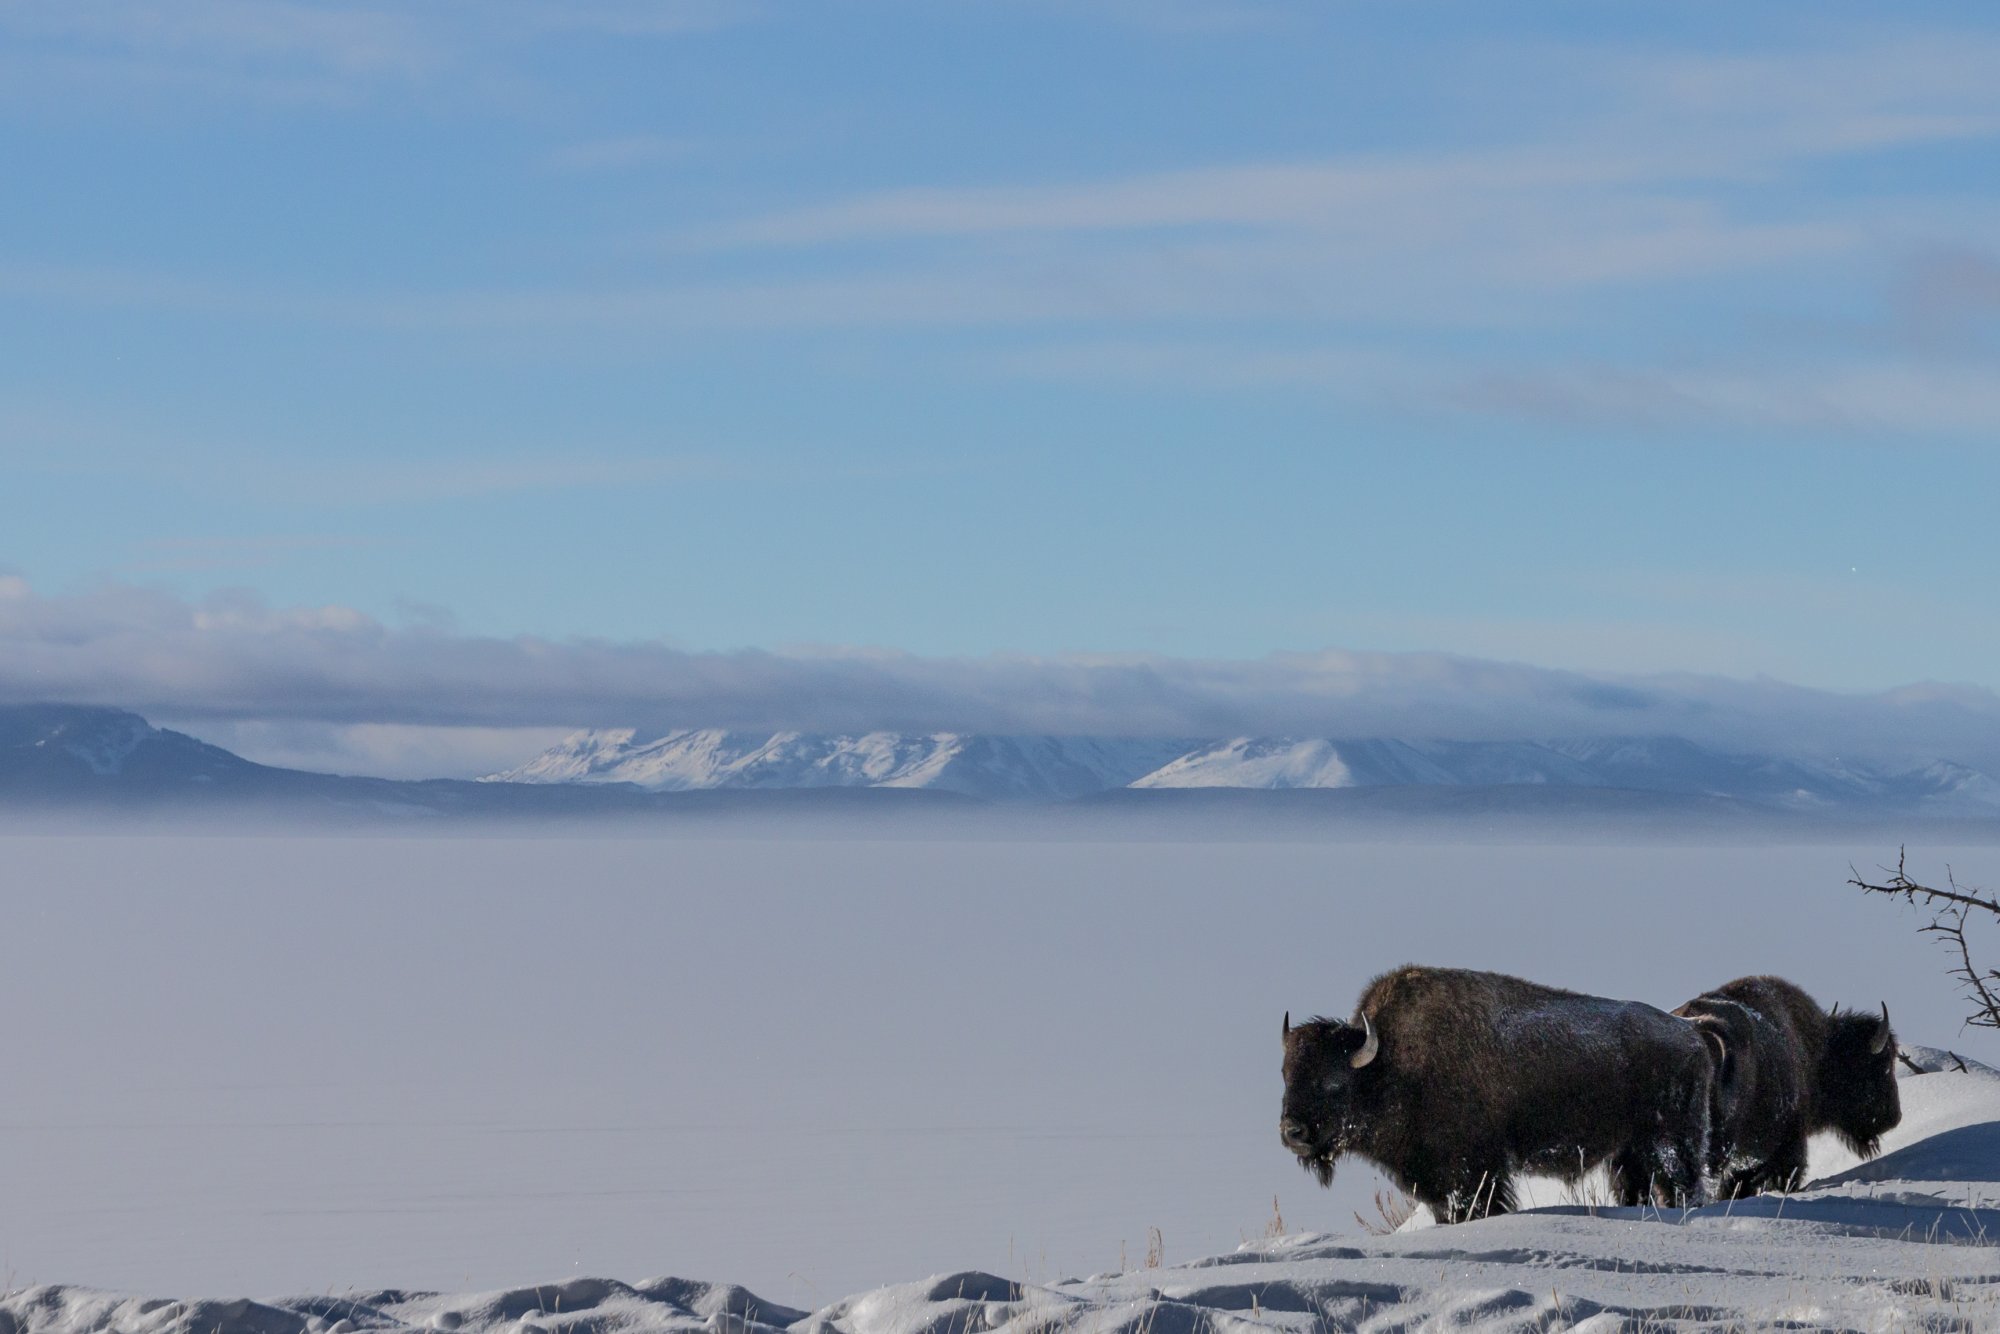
[1469, 1076]
[1346, 1048]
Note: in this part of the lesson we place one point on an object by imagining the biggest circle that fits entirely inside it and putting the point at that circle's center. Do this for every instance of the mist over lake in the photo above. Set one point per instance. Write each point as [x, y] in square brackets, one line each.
[278, 1064]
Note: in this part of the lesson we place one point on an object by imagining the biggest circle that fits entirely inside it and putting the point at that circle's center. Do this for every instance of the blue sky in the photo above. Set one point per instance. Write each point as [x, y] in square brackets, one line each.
[1633, 339]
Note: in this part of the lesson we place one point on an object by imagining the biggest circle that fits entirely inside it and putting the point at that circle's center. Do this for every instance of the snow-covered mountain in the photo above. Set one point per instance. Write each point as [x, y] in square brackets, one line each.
[1029, 767]
[1944, 784]
[91, 759]
[1055, 768]
[1645, 764]
[58, 753]
[1288, 762]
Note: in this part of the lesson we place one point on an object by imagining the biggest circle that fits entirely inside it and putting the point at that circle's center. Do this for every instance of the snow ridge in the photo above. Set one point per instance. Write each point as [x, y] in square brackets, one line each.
[978, 765]
[1054, 768]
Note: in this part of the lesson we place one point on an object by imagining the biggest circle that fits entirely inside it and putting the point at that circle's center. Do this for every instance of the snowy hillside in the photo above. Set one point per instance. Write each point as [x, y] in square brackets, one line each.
[1902, 1242]
[984, 766]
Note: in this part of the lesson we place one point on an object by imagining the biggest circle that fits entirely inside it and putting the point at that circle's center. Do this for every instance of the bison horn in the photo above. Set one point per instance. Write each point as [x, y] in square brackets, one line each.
[1288, 1025]
[1369, 1047]
[1723, 1066]
[1881, 1042]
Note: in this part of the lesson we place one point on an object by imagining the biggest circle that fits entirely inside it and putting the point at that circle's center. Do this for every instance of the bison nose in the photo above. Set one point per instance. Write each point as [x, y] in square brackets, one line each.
[1293, 1132]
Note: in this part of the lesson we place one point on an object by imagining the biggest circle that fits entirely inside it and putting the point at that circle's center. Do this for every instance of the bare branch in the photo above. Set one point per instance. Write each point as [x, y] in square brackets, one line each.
[1901, 886]
[1951, 908]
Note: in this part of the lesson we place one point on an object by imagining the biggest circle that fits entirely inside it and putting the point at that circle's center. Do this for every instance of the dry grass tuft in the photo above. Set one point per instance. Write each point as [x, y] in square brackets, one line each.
[1393, 1208]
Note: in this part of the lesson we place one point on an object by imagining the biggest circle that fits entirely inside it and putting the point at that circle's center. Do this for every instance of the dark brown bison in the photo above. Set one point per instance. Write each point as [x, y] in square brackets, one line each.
[1451, 1081]
[1785, 1071]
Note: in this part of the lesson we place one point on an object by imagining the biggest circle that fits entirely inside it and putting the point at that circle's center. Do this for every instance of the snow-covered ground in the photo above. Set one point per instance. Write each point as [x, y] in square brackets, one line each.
[1908, 1241]
[261, 1066]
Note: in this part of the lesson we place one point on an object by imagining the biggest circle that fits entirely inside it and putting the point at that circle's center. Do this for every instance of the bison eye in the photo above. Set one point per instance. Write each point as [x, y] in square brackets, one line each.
[1330, 1082]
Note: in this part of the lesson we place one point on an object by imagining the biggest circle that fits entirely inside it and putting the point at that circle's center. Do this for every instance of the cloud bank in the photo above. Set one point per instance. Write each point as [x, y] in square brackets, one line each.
[234, 668]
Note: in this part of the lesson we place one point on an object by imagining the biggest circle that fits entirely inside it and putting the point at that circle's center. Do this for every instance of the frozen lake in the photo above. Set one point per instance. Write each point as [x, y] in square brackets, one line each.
[280, 1065]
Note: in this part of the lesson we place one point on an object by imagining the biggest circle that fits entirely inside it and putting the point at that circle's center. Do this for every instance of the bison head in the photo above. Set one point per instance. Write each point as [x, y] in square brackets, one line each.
[1323, 1057]
[1857, 1079]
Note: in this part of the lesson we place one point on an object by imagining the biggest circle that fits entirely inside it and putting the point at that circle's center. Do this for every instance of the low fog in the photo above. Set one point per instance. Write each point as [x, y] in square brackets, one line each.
[274, 1065]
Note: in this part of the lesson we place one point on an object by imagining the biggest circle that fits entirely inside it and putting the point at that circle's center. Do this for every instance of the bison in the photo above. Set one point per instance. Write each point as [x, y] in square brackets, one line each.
[1451, 1081]
[1786, 1070]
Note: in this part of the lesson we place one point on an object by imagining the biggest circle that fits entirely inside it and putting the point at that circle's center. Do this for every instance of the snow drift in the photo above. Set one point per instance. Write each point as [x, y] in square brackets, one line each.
[1905, 1241]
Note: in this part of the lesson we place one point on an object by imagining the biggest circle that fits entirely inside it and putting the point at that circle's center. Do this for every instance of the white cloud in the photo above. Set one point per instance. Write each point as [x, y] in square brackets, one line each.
[1415, 280]
[353, 40]
[1175, 18]
[621, 18]
[1646, 190]
[112, 52]
[1886, 397]
[306, 50]
[376, 750]
[1883, 398]
[1949, 300]
[1660, 134]
[323, 670]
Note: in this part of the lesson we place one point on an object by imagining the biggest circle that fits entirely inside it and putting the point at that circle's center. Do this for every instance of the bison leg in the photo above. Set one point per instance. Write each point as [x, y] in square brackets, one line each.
[1632, 1177]
[1665, 1166]
[1465, 1193]
[1720, 1151]
[1784, 1170]
[1684, 1168]
[1787, 1171]
[1680, 1183]
[1741, 1184]
[1665, 1175]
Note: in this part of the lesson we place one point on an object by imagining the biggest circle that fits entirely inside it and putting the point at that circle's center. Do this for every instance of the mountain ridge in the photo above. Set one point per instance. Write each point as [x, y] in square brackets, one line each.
[1054, 768]
[92, 758]
[975, 764]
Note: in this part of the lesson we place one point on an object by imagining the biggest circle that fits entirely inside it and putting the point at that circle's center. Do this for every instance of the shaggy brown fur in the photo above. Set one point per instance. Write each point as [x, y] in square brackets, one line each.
[1480, 1075]
[1788, 1070]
